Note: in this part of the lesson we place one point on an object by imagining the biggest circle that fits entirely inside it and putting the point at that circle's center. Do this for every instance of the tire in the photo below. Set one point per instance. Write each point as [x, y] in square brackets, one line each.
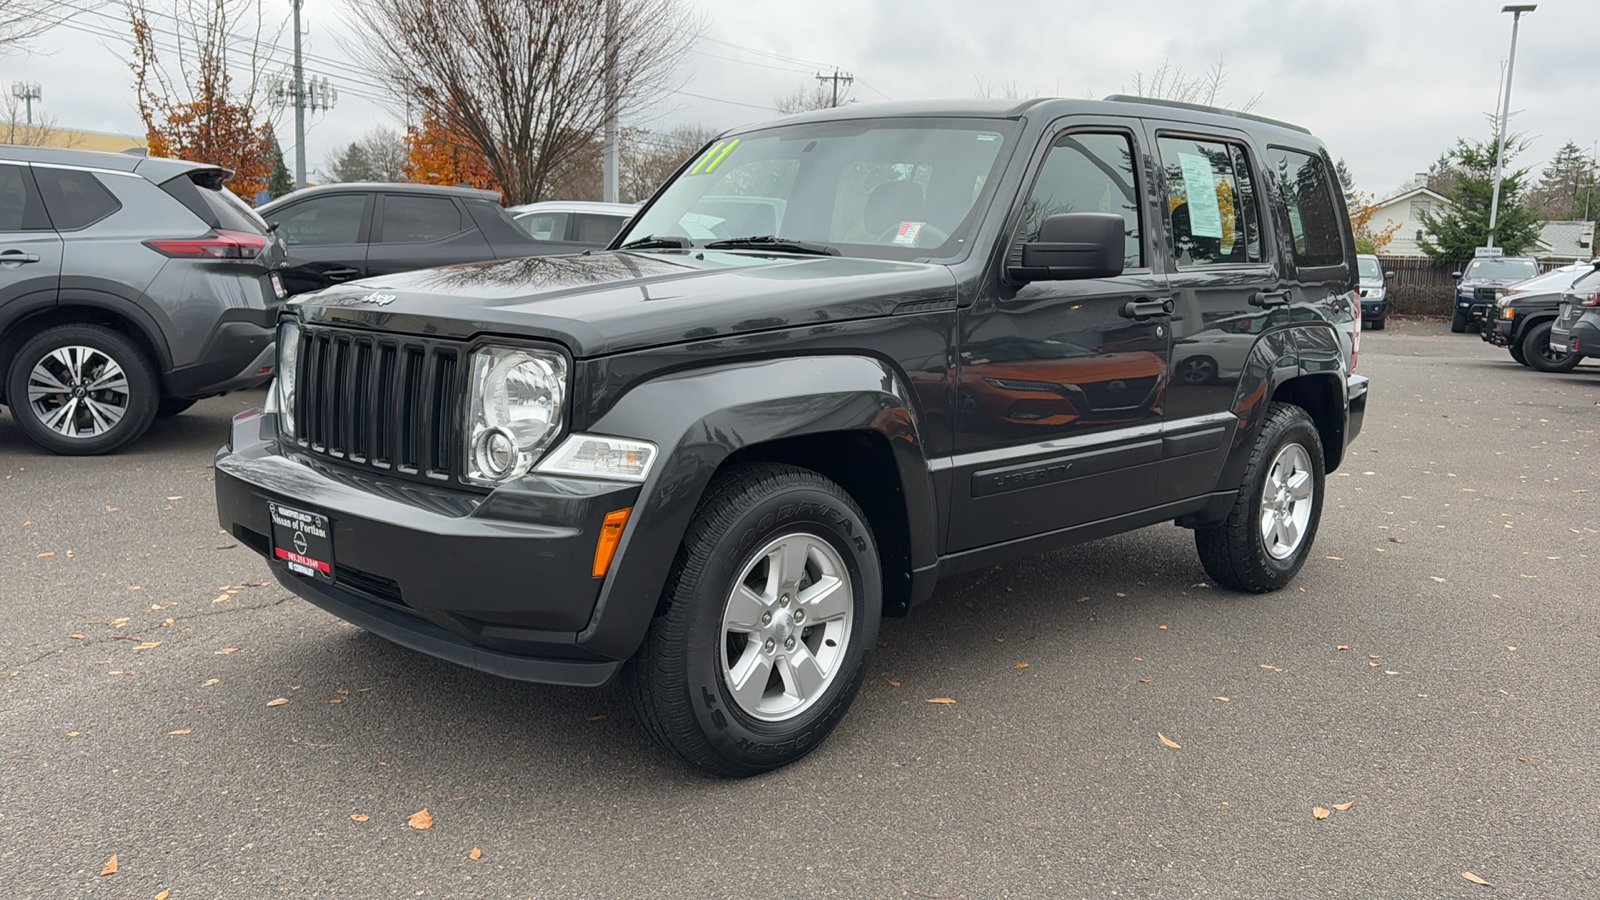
[171, 406]
[1375, 324]
[1197, 370]
[1536, 349]
[700, 646]
[1458, 323]
[1237, 553]
[1516, 353]
[79, 420]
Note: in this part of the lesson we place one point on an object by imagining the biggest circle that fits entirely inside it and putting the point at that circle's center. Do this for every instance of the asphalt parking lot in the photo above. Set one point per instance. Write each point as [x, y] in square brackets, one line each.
[1430, 681]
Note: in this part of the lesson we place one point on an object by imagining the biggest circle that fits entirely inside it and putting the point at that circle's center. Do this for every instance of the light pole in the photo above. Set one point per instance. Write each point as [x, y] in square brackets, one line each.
[1505, 110]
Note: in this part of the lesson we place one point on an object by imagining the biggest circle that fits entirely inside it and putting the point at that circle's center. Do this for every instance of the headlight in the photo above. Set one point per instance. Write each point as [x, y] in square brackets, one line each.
[288, 356]
[513, 410]
[596, 456]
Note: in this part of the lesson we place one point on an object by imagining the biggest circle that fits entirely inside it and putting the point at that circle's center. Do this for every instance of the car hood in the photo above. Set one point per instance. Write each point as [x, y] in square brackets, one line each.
[603, 303]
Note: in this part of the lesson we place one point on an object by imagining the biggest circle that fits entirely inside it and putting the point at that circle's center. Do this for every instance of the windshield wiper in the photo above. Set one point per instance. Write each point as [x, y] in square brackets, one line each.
[772, 242]
[658, 242]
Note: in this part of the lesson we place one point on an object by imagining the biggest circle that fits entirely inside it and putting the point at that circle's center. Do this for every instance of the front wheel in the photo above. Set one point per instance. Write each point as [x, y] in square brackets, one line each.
[1458, 323]
[1536, 350]
[1374, 324]
[771, 610]
[1516, 353]
[1267, 535]
[81, 390]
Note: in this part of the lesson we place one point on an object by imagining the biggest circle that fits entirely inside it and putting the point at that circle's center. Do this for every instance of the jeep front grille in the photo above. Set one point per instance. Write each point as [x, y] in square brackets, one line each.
[381, 402]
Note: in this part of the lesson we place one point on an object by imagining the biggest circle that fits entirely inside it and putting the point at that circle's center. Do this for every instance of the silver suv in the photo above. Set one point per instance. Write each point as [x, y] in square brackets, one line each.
[130, 287]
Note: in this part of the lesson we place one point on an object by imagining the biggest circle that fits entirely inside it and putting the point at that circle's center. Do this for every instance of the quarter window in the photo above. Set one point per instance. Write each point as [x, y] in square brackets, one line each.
[1211, 197]
[544, 226]
[74, 199]
[1313, 217]
[20, 209]
[1088, 173]
[323, 221]
[412, 220]
[589, 228]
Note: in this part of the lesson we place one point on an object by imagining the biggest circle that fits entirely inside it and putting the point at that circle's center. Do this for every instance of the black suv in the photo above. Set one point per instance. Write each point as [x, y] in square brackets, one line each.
[1480, 283]
[1523, 316]
[711, 459]
[129, 288]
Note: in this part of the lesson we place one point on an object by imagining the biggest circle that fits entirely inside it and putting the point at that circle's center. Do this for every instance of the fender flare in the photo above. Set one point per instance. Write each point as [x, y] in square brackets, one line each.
[699, 417]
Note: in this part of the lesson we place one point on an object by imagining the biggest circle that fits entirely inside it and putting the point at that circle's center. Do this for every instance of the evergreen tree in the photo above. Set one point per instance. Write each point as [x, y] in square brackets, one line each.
[1347, 181]
[280, 182]
[1567, 186]
[1454, 233]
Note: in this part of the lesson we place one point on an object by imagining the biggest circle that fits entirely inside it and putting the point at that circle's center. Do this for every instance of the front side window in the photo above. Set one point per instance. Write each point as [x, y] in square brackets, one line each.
[74, 199]
[323, 221]
[1308, 199]
[20, 207]
[888, 189]
[413, 220]
[1211, 197]
[1088, 173]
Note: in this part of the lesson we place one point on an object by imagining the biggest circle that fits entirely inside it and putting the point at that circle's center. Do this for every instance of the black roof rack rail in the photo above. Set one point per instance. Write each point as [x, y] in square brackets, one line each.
[1200, 107]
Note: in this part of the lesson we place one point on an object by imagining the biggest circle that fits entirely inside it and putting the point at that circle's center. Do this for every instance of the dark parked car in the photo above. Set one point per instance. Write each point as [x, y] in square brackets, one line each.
[341, 232]
[1374, 292]
[129, 288]
[1478, 284]
[1524, 314]
[711, 464]
[1577, 326]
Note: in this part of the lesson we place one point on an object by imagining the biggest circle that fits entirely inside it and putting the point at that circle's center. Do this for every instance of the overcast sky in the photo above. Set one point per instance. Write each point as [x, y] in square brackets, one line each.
[1388, 84]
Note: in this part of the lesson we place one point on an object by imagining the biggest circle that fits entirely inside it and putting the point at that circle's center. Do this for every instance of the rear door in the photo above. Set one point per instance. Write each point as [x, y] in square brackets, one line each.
[1059, 388]
[325, 237]
[1323, 258]
[30, 250]
[417, 231]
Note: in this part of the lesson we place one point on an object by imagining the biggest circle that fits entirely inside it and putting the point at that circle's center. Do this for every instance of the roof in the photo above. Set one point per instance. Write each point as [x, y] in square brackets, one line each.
[980, 108]
[1568, 240]
[1408, 194]
[576, 206]
[155, 168]
[390, 187]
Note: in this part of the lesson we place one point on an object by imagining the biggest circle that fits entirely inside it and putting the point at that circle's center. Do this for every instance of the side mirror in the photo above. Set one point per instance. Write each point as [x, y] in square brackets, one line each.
[1456, 275]
[1075, 245]
[1388, 276]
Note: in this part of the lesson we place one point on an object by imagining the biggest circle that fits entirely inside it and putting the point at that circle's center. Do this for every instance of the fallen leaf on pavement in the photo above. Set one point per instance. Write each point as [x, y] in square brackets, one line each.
[882, 644]
[421, 821]
[358, 817]
[941, 700]
[1437, 578]
[475, 854]
[1475, 879]
[1144, 681]
[1319, 812]
[1223, 699]
[179, 497]
[1020, 666]
[1335, 558]
[1512, 649]
[226, 650]
[892, 683]
[179, 731]
[281, 701]
[1342, 647]
[111, 866]
[77, 637]
[222, 598]
[999, 640]
[1169, 741]
[147, 645]
[595, 719]
[44, 555]
[164, 895]
[1341, 807]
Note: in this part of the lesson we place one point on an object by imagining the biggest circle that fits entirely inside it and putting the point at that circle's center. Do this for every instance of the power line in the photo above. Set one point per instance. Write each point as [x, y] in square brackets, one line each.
[720, 100]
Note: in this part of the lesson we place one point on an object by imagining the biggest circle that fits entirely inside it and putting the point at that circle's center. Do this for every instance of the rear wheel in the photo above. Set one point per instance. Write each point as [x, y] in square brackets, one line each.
[81, 390]
[1536, 350]
[771, 610]
[1264, 541]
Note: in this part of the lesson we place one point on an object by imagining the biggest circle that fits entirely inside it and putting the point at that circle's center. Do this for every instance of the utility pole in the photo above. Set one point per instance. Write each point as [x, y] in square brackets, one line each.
[27, 92]
[836, 77]
[1505, 110]
[611, 174]
[298, 95]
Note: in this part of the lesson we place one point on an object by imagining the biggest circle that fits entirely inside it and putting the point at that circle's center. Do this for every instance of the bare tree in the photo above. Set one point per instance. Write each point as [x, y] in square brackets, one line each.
[995, 90]
[650, 158]
[523, 80]
[807, 97]
[380, 155]
[23, 20]
[41, 132]
[1170, 82]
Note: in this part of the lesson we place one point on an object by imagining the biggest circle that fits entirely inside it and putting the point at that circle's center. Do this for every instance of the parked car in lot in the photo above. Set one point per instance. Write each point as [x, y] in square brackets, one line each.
[1478, 284]
[1524, 314]
[1577, 326]
[1374, 289]
[340, 232]
[572, 226]
[129, 288]
[710, 465]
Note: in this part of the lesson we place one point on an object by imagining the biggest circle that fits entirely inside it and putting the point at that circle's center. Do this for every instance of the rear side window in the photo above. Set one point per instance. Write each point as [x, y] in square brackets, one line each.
[1212, 199]
[596, 229]
[1308, 198]
[322, 221]
[411, 220]
[545, 226]
[1087, 173]
[20, 206]
[75, 199]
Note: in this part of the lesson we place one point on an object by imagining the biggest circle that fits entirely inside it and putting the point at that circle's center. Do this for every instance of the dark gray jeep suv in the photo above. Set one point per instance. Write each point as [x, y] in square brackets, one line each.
[835, 359]
[129, 288]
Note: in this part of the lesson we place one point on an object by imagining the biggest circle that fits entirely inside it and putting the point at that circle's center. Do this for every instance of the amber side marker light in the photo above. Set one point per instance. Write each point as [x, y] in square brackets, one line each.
[610, 536]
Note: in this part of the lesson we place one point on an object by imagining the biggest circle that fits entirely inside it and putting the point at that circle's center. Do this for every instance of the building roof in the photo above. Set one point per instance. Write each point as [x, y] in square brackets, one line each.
[1567, 240]
[1413, 192]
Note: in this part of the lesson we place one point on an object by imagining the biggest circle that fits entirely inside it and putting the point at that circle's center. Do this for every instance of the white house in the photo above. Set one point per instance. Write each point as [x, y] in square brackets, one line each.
[1406, 208]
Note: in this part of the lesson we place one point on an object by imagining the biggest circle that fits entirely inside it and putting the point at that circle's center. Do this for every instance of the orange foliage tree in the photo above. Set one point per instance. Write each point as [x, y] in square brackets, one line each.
[1362, 207]
[436, 153]
[196, 114]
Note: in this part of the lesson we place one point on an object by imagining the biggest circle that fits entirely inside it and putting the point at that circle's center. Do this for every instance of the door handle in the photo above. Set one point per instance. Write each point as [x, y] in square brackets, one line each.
[17, 257]
[340, 274]
[1269, 298]
[1144, 309]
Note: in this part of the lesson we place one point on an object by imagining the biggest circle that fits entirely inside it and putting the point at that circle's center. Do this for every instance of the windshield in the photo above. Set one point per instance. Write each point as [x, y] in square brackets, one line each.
[888, 189]
[1502, 269]
[1370, 269]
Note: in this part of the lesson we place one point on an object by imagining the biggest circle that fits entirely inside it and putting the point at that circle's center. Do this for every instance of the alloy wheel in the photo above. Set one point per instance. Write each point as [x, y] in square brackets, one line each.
[1286, 501]
[78, 391]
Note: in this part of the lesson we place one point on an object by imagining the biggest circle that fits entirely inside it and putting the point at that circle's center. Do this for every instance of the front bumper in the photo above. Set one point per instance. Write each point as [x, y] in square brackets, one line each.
[1374, 309]
[498, 582]
[1497, 331]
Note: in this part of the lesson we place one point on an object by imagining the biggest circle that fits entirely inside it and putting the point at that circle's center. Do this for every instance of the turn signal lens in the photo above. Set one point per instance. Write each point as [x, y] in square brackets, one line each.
[610, 537]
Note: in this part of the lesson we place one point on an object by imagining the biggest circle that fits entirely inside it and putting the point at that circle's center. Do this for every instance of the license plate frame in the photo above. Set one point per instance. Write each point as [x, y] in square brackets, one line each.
[302, 541]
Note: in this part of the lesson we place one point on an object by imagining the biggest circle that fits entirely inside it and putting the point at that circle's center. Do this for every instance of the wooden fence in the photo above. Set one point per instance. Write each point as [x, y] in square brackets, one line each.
[1421, 288]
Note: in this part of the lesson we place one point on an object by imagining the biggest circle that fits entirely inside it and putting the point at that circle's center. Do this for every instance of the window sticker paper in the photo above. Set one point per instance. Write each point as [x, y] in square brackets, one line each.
[1205, 216]
[907, 235]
